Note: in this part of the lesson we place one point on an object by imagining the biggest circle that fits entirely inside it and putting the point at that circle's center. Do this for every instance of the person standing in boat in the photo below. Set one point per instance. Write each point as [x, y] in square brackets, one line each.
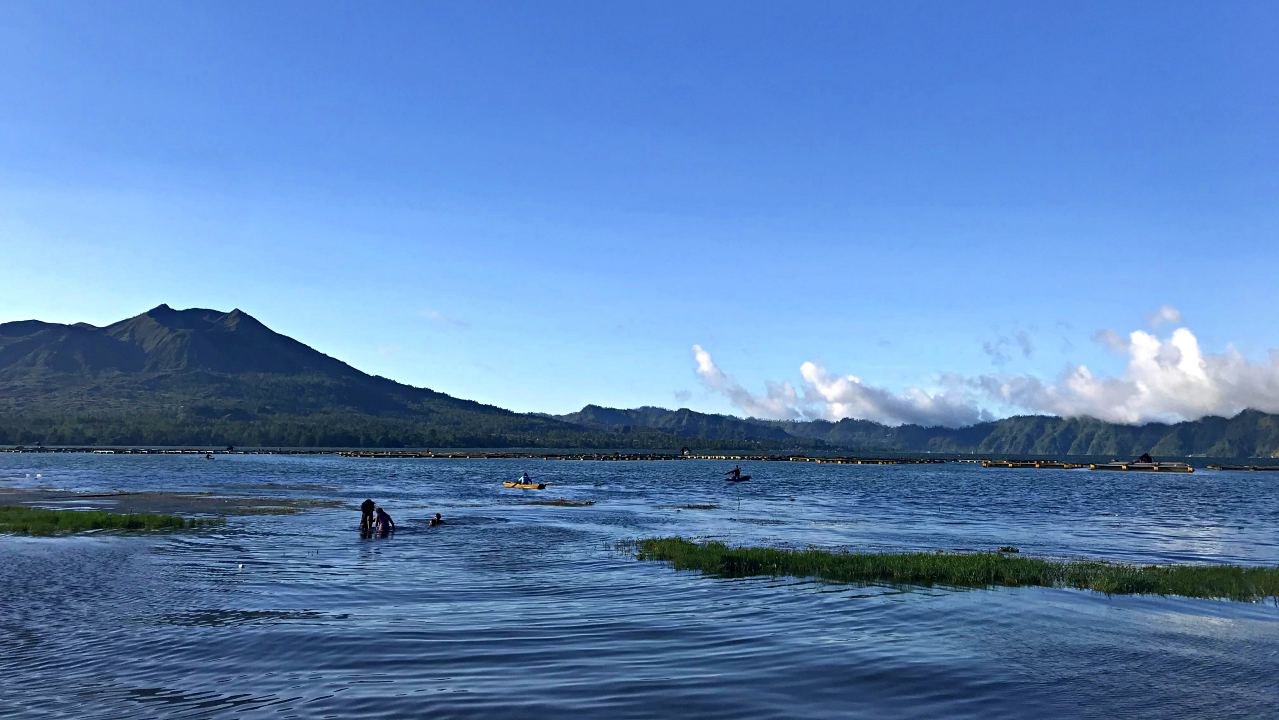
[736, 472]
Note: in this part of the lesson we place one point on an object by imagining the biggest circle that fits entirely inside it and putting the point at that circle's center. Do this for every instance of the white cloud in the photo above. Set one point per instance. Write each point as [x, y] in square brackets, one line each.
[778, 402]
[1166, 379]
[834, 398]
[1165, 315]
[1171, 379]
[848, 396]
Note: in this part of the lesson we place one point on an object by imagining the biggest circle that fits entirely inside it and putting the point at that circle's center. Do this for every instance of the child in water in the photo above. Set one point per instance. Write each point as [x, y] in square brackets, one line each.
[385, 525]
[437, 520]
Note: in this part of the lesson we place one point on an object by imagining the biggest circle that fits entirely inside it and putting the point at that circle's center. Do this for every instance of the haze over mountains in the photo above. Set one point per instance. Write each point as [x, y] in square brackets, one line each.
[205, 377]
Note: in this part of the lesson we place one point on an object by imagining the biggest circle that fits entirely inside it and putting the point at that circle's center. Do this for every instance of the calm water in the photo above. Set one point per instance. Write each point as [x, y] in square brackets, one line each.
[523, 611]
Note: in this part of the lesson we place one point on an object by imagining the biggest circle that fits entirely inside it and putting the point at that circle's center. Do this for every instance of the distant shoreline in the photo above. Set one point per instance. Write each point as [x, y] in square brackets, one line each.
[1047, 461]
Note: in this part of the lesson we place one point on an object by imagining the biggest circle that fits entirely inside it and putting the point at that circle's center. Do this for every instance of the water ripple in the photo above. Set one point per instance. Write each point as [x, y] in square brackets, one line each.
[523, 611]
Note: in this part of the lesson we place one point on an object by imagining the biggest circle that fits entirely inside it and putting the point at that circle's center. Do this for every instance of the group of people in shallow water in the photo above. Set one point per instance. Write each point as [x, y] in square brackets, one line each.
[375, 520]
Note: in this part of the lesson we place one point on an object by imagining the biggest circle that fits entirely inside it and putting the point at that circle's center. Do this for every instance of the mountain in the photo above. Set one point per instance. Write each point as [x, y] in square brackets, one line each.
[681, 423]
[205, 377]
[1248, 434]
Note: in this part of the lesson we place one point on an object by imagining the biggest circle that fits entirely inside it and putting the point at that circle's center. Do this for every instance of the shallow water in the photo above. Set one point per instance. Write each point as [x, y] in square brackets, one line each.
[521, 611]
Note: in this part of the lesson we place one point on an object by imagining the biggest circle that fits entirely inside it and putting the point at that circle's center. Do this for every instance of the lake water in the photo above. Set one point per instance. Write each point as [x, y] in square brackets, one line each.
[515, 610]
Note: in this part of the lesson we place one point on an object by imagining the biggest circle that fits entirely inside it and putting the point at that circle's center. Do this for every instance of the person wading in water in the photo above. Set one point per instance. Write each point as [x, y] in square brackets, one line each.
[366, 515]
[385, 525]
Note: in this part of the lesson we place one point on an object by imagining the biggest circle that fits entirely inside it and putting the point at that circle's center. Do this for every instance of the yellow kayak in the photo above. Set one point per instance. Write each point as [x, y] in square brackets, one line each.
[525, 486]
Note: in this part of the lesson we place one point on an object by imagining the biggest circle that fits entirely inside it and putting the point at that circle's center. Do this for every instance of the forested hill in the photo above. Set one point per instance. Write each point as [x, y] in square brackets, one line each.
[177, 377]
[1248, 434]
[205, 377]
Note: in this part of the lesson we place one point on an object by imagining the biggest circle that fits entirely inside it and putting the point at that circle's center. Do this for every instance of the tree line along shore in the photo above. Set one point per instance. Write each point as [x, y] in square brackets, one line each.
[986, 462]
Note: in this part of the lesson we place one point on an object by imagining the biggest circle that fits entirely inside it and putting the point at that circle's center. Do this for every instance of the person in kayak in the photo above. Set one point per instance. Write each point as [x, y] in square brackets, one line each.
[736, 472]
[385, 525]
[437, 520]
[525, 479]
[366, 515]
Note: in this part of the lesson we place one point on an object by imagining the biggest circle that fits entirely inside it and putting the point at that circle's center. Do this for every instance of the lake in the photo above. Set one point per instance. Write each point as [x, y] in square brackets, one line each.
[520, 610]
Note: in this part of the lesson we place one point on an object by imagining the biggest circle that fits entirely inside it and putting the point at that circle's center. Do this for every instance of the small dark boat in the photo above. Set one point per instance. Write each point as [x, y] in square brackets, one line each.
[743, 478]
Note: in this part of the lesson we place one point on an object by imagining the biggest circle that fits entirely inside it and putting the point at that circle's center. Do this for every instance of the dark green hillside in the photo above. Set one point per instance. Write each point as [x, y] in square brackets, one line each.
[1249, 434]
[682, 423]
[205, 377]
[170, 377]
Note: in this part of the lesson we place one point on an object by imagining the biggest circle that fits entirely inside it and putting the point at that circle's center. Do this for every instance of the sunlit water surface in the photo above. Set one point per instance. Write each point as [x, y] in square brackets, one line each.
[519, 610]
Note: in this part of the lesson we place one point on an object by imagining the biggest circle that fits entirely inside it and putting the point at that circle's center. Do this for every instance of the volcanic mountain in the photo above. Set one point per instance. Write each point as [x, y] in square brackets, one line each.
[208, 376]
[205, 377]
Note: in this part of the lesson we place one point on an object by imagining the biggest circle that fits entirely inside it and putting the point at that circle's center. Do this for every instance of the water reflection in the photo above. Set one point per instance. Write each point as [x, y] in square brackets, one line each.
[519, 610]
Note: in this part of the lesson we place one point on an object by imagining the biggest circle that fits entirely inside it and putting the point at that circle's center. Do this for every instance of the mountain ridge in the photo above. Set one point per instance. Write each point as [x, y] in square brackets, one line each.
[202, 376]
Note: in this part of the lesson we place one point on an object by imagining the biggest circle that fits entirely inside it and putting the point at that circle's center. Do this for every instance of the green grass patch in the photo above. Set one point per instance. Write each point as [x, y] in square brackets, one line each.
[968, 570]
[562, 502]
[38, 521]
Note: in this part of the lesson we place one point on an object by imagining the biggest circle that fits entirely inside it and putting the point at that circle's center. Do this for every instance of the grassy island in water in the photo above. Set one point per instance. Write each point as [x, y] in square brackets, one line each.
[37, 521]
[968, 570]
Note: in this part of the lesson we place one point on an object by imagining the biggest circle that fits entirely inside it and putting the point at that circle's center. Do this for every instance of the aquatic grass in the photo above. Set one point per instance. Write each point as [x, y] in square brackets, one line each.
[562, 502]
[707, 506]
[265, 510]
[39, 521]
[982, 570]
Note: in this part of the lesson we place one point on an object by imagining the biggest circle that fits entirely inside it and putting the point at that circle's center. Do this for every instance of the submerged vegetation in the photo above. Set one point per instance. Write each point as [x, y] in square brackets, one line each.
[38, 521]
[968, 570]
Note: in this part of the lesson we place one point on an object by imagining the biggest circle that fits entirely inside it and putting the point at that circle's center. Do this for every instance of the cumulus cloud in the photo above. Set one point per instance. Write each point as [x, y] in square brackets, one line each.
[1165, 315]
[1170, 379]
[836, 397]
[778, 402]
[1167, 379]
[847, 396]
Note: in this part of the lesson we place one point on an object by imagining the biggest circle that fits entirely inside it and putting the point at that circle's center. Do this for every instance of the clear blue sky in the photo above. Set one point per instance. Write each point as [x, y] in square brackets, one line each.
[541, 205]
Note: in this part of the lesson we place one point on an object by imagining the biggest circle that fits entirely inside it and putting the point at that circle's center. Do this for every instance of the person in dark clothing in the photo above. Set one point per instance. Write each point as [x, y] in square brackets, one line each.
[437, 520]
[385, 525]
[1145, 458]
[366, 515]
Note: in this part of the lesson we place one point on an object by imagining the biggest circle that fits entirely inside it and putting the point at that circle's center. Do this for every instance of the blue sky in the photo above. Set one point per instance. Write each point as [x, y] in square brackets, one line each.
[542, 205]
